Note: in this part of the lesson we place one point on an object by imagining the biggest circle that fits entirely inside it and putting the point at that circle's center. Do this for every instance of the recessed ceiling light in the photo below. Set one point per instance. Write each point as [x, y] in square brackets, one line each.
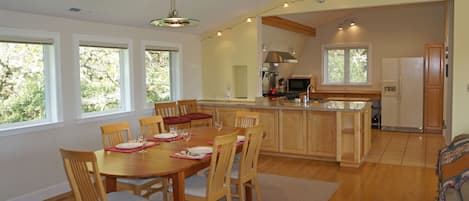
[74, 10]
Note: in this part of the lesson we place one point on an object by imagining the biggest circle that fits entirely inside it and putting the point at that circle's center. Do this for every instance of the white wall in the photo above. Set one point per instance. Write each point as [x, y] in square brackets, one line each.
[390, 32]
[31, 161]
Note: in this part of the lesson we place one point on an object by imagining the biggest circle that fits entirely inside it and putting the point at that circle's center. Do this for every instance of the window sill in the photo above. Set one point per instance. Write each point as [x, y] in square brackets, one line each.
[29, 128]
[346, 85]
[103, 116]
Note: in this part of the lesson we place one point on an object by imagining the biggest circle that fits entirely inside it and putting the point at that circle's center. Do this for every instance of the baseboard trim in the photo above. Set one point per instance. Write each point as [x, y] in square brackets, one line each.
[44, 193]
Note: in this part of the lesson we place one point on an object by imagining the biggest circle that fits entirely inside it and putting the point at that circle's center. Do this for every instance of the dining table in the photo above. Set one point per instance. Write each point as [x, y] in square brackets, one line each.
[156, 161]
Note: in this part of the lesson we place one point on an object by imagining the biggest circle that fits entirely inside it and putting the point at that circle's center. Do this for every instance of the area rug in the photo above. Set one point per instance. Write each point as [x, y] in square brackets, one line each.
[281, 188]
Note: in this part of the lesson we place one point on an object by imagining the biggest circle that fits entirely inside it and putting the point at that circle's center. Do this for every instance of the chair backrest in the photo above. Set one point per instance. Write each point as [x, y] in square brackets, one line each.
[187, 106]
[114, 134]
[167, 109]
[244, 119]
[150, 126]
[85, 186]
[221, 165]
[250, 153]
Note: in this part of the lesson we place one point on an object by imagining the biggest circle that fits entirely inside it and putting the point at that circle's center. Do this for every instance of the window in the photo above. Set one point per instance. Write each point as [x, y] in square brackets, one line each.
[160, 64]
[28, 94]
[104, 74]
[346, 65]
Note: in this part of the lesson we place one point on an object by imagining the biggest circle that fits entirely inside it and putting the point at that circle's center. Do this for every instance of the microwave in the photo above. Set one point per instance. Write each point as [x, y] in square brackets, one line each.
[298, 84]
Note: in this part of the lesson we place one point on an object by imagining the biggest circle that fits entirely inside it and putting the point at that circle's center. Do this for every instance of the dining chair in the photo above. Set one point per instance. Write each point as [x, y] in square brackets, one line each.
[188, 108]
[245, 172]
[150, 126]
[86, 186]
[245, 119]
[117, 133]
[170, 114]
[216, 184]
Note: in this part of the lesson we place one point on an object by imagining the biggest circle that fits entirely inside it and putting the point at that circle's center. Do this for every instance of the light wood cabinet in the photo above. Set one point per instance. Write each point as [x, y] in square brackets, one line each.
[321, 133]
[433, 88]
[292, 128]
[269, 118]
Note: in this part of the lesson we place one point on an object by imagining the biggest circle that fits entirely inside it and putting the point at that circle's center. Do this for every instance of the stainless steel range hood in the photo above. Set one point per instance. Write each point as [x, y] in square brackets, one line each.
[280, 57]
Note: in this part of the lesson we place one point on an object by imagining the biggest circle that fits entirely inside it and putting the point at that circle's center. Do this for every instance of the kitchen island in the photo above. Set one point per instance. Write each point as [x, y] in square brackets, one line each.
[330, 130]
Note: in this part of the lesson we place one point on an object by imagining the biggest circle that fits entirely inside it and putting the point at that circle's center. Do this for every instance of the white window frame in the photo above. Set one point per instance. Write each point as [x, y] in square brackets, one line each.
[52, 83]
[126, 101]
[175, 72]
[346, 47]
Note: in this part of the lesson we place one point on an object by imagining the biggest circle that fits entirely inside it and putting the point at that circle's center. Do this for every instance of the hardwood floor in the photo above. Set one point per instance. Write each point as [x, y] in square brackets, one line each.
[371, 182]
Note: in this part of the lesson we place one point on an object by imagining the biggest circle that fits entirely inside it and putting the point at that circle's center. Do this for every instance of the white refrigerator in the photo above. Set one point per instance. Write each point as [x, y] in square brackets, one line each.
[402, 94]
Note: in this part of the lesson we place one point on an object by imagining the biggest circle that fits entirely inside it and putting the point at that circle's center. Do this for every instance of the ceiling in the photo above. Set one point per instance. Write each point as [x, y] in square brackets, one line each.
[138, 13]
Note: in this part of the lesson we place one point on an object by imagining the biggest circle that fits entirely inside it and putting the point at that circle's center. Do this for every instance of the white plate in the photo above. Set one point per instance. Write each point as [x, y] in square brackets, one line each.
[129, 145]
[200, 150]
[240, 138]
[165, 135]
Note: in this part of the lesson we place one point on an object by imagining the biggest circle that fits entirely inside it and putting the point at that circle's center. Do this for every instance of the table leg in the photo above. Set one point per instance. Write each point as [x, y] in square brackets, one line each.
[178, 186]
[111, 184]
[248, 190]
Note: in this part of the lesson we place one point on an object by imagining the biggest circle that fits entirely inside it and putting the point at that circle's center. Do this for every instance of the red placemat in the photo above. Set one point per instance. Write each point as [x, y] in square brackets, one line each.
[177, 155]
[115, 149]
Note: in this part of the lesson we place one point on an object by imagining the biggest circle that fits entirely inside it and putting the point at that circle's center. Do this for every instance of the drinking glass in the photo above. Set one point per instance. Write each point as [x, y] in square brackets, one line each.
[173, 130]
[141, 139]
[219, 125]
[186, 136]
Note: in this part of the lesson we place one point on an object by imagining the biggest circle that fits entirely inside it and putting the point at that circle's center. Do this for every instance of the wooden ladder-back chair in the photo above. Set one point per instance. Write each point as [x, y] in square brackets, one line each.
[86, 186]
[171, 117]
[113, 134]
[244, 119]
[245, 172]
[117, 133]
[188, 108]
[217, 184]
[150, 126]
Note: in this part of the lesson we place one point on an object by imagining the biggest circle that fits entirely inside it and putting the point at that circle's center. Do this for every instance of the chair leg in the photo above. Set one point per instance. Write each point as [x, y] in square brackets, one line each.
[165, 189]
[241, 192]
[228, 196]
[256, 186]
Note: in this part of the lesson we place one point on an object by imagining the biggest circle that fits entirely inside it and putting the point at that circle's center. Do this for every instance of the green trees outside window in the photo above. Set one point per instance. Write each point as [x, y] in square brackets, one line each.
[346, 66]
[22, 94]
[158, 75]
[100, 78]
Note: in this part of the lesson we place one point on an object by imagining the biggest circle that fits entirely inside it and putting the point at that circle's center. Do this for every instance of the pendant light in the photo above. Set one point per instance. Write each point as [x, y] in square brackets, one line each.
[173, 19]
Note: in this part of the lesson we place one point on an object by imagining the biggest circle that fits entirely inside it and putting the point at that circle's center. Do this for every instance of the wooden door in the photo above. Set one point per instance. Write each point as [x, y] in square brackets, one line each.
[292, 128]
[269, 118]
[321, 133]
[433, 88]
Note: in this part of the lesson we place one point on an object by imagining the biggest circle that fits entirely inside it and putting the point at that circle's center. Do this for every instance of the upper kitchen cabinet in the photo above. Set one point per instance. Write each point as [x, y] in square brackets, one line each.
[433, 88]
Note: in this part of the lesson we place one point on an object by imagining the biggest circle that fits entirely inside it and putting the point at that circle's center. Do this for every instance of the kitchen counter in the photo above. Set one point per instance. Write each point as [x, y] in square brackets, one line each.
[343, 106]
[320, 130]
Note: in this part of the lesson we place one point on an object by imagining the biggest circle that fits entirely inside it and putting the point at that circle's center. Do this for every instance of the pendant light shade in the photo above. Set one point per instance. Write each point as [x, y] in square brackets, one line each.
[173, 19]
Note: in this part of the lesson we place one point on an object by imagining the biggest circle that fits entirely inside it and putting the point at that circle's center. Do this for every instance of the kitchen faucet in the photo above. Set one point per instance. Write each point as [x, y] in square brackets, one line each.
[307, 93]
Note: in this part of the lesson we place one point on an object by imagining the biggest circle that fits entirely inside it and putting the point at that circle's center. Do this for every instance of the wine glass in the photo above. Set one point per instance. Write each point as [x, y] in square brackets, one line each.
[141, 139]
[186, 136]
[219, 125]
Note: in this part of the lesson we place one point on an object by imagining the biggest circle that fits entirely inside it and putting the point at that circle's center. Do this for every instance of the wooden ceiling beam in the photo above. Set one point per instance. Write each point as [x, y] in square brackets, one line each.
[288, 25]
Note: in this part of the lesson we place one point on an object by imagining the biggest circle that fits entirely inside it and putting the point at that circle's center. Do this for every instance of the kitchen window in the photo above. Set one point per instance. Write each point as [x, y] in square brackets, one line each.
[160, 62]
[104, 77]
[346, 65]
[28, 79]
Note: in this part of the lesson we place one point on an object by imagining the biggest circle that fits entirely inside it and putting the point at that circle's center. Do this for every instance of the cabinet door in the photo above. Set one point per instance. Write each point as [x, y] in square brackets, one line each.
[322, 133]
[227, 115]
[434, 85]
[269, 118]
[292, 131]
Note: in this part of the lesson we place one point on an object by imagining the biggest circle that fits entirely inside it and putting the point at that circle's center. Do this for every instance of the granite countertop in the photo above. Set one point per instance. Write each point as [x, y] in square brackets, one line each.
[343, 106]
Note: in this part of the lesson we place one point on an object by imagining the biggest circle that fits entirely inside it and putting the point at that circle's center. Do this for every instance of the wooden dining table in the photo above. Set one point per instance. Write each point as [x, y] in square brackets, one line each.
[155, 161]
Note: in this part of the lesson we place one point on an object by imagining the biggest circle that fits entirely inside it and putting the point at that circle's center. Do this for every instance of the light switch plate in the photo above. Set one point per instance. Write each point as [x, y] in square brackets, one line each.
[467, 89]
